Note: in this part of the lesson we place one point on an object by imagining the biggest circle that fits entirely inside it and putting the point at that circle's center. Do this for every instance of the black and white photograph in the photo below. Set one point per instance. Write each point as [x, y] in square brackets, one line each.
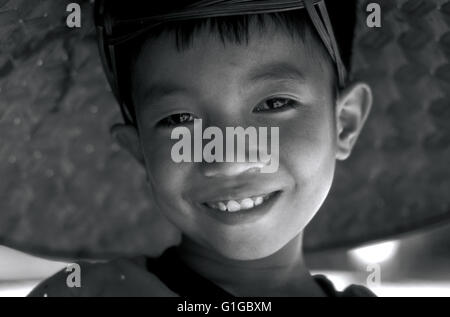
[224, 149]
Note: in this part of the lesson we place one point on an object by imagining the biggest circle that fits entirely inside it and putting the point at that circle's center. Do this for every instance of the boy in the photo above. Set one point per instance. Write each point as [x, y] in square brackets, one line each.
[242, 228]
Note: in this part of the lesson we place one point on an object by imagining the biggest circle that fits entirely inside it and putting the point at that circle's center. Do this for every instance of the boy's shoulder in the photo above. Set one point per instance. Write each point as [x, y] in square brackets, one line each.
[120, 277]
[353, 290]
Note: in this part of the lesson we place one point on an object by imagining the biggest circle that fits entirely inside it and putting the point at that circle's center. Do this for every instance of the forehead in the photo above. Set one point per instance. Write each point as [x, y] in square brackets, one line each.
[268, 54]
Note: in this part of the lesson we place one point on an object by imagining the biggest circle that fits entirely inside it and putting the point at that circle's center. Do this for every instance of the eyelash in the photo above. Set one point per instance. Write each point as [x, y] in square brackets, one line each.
[186, 118]
[289, 104]
[177, 119]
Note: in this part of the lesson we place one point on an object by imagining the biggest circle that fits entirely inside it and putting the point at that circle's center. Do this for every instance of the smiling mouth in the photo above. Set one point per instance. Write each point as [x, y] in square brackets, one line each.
[235, 205]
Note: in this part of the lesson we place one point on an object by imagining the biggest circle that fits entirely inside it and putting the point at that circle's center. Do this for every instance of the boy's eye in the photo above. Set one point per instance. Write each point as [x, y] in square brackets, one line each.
[177, 119]
[276, 104]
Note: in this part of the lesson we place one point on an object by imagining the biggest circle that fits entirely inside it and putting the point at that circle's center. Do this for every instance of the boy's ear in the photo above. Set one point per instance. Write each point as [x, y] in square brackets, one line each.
[127, 137]
[353, 108]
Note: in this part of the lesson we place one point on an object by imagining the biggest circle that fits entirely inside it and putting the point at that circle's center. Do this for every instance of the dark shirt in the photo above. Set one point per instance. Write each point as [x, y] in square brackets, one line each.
[170, 277]
[185, 282]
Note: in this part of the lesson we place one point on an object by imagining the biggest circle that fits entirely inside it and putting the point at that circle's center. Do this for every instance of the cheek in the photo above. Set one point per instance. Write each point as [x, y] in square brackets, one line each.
[308, 148]
[165, 175]
[307, 156]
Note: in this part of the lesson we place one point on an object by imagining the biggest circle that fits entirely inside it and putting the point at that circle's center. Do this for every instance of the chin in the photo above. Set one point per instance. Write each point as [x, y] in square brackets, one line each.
[250, 249]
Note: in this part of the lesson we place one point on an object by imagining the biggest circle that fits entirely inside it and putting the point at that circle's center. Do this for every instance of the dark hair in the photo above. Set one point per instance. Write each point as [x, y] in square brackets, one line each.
[235, 29]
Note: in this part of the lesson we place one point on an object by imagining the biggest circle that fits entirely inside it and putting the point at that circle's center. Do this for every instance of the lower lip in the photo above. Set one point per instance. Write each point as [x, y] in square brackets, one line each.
[243, 216]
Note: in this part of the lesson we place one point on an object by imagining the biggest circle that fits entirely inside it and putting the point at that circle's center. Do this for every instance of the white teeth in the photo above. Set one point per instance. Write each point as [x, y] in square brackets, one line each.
[222, 206]
[247, 203]
[258, 201]
[233, 206]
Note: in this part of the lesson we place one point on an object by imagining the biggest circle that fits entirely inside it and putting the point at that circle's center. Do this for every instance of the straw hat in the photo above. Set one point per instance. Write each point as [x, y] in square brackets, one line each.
[67, 190]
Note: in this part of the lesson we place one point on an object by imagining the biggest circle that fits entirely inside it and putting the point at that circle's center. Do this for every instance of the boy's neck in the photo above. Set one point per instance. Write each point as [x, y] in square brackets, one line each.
[281, 274]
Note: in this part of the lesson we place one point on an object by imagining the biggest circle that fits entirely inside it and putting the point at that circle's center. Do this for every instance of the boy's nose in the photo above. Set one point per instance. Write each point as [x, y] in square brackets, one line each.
[232, 166]
[227, 169]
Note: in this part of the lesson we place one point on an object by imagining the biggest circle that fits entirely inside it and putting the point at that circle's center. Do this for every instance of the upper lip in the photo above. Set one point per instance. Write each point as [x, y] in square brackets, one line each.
[232, 191]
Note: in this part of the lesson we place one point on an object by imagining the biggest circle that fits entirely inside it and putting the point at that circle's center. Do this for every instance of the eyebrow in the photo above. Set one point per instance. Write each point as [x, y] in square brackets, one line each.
[163, 89]
[275, 72]
[266, 72]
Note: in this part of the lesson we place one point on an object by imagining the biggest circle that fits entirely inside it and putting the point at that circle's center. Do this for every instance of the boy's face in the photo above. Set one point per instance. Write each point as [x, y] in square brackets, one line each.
[274, 81]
